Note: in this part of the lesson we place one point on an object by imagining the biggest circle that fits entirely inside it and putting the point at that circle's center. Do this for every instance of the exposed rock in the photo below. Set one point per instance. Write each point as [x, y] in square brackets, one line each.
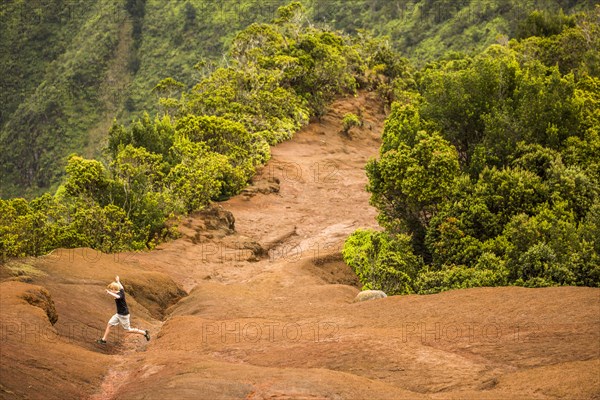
[212, 222]
[257, 250]
[240, 248]
[155, 291]
[369, 295]
[281, 237]
[40, 297]
[261, 185]
[216, 218]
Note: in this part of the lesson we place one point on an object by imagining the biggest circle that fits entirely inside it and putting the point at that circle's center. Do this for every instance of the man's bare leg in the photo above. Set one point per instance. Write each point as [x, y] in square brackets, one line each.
[106, 332]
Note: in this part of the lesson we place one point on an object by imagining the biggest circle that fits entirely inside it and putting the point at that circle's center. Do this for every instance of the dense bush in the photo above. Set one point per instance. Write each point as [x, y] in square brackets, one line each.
[491, 168]
[382, 261]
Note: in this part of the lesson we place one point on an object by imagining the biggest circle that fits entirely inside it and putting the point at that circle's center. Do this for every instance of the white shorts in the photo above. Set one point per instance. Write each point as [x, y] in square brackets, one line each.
[122, 320]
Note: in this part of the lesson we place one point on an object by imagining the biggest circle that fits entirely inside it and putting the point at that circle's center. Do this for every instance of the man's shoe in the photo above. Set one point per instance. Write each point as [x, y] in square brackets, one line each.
[101, 341]
[147, 335]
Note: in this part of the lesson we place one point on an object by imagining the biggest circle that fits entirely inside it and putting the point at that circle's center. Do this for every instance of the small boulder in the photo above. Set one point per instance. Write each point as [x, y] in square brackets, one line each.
[264, 186]
[369, 295]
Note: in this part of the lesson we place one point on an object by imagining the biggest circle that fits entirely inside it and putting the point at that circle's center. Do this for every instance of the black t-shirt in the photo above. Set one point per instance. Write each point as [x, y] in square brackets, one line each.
[122, 304]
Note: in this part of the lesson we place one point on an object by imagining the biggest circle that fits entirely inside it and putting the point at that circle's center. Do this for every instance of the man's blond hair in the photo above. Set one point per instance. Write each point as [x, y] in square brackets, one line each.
[114, 286]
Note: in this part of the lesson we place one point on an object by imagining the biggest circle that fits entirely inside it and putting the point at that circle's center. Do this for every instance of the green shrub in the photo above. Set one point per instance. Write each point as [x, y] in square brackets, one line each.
[349, 121]
[382, 261]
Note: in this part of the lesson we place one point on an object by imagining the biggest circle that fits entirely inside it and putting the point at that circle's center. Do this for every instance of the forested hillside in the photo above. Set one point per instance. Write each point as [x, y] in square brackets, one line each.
[56, 63]
[71, 67]
[488, 172]
[205, 145]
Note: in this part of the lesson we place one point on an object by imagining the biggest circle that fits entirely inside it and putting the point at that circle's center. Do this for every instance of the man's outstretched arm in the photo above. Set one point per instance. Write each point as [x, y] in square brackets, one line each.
[118, 281]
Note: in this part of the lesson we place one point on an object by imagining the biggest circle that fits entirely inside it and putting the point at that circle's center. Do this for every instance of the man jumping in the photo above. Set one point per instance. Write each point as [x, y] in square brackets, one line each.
[116, 290]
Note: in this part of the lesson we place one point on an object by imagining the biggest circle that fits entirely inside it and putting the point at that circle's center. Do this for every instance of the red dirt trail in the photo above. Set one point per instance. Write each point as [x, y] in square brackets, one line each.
[269, 310]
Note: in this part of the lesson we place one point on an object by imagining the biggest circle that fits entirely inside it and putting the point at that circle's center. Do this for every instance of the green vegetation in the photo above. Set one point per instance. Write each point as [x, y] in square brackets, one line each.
[73, 66]
[67, 101]
[350, 120]
[489, 171]
[425, 30]
[205, 146]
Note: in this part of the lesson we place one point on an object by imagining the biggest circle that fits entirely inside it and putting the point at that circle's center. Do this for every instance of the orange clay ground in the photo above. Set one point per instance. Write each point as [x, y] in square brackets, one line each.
[262, 308]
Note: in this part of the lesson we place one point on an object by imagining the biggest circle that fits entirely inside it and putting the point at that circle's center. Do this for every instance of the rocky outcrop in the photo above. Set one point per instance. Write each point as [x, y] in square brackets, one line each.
[40, 297]
[213, 222]
[17, 296]
[369, 295]
[261, 185]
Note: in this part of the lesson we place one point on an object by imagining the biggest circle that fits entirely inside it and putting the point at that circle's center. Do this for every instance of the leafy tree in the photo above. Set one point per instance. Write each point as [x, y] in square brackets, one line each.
[221, 135]
[382, 261]
[459, 96]
[104, 228]
[255, 99]
[586, 264]
[401, 127]
[449, 244]
[535, 158]
[87, 179]
[544, 23]
[118, 137]
[138, 189]
[29, 228]
[407, 184]
[155, 136]
[457, 277]
[521, 208]
[166, 90]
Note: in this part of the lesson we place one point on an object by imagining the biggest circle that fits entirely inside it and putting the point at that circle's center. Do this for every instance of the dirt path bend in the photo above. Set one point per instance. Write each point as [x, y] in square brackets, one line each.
[300, 208]
[303, 204]
[270, 315]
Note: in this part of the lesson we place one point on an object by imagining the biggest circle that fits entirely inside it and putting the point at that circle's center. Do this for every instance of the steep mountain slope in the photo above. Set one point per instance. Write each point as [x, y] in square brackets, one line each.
[58, 60]
[34, 34]
[428, 29]
[67, 101]
[269, 312]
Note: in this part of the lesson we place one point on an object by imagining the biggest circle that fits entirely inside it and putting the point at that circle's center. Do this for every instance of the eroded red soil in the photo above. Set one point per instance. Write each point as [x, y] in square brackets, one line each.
[269, 311]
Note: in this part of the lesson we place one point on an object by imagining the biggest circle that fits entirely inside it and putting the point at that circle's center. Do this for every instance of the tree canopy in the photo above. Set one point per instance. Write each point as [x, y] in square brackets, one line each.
[486, 175]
